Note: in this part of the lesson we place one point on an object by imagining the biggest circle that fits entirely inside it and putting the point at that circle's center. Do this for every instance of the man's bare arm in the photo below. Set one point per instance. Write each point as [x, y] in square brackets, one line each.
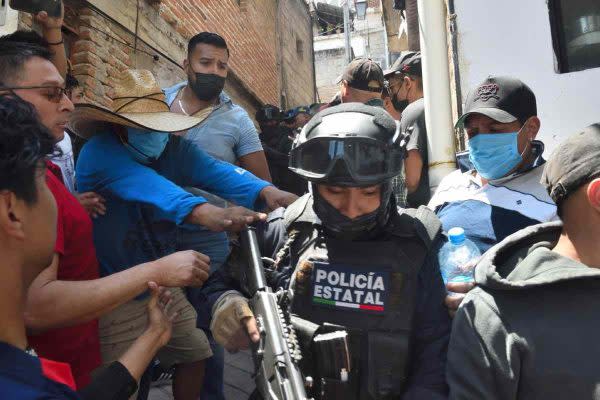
[53, 303]
[256, 163]
[412, 169]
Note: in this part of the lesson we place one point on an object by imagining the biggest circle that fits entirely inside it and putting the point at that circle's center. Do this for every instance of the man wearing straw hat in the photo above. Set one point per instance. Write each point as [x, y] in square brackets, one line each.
[66, 298]
[140, 169]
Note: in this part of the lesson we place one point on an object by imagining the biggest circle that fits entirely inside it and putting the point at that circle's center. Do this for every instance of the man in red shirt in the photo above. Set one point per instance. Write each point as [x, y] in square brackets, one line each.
[65, 300]
[27, 232]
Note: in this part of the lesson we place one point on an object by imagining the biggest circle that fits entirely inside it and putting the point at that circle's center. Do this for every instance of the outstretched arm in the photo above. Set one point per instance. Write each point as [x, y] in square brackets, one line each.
[53, 303]
[124, 178]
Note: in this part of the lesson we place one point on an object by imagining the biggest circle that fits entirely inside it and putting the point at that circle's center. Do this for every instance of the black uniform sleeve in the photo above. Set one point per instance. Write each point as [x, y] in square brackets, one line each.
[270, 235]
[431, 333]
[113, 383]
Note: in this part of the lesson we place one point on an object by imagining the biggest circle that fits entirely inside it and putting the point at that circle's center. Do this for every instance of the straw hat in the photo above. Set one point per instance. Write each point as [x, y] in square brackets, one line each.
[138, 103]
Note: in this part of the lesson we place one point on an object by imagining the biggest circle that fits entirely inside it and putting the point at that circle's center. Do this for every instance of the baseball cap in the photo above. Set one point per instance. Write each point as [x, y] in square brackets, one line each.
[503, 98]
[408, 63]
[364, 74]
[574, 163]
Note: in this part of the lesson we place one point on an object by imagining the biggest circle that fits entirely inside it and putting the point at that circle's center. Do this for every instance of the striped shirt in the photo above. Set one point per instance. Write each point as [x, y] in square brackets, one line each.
[489, 213]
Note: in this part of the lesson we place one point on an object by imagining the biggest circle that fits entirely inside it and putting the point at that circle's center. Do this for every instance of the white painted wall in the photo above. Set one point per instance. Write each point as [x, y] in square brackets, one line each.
[512, 37]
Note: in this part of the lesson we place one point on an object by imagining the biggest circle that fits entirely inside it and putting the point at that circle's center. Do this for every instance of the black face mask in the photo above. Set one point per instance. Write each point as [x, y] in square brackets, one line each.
[361, 228]
[399, 105]
[207, 87]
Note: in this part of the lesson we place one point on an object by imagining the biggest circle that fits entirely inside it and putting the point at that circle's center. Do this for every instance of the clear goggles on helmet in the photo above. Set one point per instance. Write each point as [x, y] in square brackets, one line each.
[367, 161]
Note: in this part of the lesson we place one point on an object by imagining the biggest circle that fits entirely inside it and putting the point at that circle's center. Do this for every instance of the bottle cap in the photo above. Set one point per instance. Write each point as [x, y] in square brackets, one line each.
[457, 235]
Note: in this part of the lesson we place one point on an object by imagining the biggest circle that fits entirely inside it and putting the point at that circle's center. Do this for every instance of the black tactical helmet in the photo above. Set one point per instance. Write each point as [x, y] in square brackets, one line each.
[349, 145]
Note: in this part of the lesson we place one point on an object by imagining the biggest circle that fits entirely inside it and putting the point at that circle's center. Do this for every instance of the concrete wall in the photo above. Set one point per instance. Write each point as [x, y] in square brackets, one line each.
[512, 37]
[295, 36]
[329, 65]
[368, 40]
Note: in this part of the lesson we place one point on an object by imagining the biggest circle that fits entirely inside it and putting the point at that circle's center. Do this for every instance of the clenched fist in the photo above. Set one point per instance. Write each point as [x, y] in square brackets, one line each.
[184, 268]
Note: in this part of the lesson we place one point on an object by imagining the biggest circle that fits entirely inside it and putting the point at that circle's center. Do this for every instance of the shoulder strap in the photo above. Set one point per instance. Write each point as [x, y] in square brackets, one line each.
[295, 210]
[421, 221]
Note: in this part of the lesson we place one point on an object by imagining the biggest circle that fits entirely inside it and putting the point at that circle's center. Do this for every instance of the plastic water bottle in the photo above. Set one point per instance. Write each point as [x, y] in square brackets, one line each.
[458, 257]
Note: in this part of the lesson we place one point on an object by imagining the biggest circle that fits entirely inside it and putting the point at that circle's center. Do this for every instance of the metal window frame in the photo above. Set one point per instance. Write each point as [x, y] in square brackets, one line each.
[559, 41]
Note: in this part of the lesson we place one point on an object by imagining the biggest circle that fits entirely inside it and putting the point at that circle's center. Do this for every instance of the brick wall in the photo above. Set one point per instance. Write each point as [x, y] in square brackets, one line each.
[102, 35]
[253, 56]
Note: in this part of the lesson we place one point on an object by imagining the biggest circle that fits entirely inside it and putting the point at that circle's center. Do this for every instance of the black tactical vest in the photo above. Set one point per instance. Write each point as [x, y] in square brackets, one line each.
[367, 287]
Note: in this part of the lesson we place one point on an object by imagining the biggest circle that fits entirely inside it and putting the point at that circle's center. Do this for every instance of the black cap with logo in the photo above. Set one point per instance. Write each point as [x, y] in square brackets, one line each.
[408, 63]
[364, 74]
[574, 163]
[503, 98]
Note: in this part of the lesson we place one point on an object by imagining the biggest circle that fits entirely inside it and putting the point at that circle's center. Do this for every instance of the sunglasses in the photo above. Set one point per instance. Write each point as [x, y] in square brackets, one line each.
[52, 93]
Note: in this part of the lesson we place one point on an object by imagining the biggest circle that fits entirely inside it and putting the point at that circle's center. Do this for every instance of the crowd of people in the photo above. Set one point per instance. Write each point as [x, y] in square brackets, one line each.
[120, 255]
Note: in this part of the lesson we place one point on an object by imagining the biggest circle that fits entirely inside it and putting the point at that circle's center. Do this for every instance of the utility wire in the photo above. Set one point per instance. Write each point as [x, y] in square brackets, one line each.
[156, 56]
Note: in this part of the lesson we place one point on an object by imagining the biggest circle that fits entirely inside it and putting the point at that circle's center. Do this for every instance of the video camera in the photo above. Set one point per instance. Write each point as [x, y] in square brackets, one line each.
[269, 113]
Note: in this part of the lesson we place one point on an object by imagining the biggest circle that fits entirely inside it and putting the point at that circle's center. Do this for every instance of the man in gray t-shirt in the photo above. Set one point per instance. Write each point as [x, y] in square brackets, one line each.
[405, 89]
[413, 121]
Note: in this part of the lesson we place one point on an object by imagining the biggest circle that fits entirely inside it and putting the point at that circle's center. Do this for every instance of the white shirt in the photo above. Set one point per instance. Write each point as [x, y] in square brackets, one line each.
[66, 162]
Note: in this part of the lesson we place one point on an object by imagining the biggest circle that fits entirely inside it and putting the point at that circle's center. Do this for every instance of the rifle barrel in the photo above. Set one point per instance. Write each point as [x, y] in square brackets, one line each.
[256, 274]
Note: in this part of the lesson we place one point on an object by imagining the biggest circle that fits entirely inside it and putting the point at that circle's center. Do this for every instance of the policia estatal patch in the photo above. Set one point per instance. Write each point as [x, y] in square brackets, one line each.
[350, 288]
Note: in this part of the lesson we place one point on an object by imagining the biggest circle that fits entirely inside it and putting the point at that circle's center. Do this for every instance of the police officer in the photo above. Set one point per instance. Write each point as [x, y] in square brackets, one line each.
[353, 260]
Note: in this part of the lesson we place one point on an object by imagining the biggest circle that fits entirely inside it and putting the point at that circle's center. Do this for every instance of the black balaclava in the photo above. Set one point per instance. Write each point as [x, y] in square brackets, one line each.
[361, 228]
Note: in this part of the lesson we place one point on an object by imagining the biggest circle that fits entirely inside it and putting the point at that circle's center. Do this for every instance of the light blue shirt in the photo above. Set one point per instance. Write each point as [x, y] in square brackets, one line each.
[227, 134]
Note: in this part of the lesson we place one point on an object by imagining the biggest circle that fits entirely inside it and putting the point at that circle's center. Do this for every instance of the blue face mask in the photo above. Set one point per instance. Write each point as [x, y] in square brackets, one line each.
[146, 146]
[495, 155]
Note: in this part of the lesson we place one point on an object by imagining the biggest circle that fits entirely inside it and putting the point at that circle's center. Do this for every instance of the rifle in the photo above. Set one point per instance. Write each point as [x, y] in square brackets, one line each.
[277, 353]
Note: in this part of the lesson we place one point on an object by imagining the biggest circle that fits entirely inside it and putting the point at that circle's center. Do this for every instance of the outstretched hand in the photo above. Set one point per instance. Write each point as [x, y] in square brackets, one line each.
[160, 316]
[183, 268]
[231, 219]
[276, 198]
